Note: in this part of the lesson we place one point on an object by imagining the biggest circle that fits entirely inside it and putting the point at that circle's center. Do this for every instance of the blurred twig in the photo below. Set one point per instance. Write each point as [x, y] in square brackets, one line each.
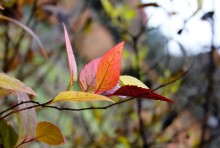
[6, 53]
[210, 76]
[17, 45]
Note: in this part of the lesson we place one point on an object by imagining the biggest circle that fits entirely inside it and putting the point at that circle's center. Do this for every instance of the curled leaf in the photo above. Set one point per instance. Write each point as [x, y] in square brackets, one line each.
[79, 96]
[129, 80]
[139, 92]
[87, 76]
[71, 58]
[109, 67]
[27, 119]
[48, 133]
[11, 84]
[28, 30]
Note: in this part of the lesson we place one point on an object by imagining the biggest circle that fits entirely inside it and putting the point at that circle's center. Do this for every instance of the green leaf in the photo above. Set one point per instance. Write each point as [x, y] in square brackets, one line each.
[8, 136]
[199, 3]
[109, 8]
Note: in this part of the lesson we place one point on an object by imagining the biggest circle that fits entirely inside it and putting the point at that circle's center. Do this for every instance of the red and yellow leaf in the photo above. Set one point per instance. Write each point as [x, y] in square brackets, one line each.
[109, 69]
[79, 96]
[11, 84]
[87, 76]
[139, 92]
[48, 133]
[71, 58]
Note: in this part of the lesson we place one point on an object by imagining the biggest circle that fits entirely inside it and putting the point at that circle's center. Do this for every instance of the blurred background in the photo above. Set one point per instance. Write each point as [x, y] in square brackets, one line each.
[163, 39]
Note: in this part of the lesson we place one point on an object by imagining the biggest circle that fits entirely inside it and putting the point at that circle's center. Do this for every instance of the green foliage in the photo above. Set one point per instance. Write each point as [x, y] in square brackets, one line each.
[8, 136]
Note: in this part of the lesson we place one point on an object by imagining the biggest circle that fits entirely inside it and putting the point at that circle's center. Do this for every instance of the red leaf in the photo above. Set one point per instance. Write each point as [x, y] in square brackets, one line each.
[139, 92]
[87, 76]
[109, 69]
[71, 58]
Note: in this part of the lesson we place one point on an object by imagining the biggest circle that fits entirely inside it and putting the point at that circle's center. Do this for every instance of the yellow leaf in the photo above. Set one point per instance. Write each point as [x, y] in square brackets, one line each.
[48, 133]
[12, 84]
[4, 92]
[79, 96]
[129, 80]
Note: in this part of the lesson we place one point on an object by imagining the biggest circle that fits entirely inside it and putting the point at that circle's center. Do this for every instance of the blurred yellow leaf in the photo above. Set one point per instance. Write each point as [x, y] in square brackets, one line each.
[108, 7]
[79, 96]
[199, 2]
[48, 133]
[4, 92]
[12, 84]
[129, 80]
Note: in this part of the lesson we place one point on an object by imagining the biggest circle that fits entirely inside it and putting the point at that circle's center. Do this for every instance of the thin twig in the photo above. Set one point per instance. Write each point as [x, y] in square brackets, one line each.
[23, 31]
[16, 105]
[45, 105]
[6, 53]
[210, 89]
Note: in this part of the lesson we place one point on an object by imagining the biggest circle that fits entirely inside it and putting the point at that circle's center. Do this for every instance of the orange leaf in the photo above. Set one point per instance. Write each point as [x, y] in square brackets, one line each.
[48, 133]
[79, 96]
[108, 72]
[71, 58]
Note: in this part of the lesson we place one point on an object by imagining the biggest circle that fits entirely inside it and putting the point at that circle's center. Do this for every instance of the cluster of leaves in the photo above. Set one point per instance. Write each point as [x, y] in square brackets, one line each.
[29, 129]
[99, 80]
